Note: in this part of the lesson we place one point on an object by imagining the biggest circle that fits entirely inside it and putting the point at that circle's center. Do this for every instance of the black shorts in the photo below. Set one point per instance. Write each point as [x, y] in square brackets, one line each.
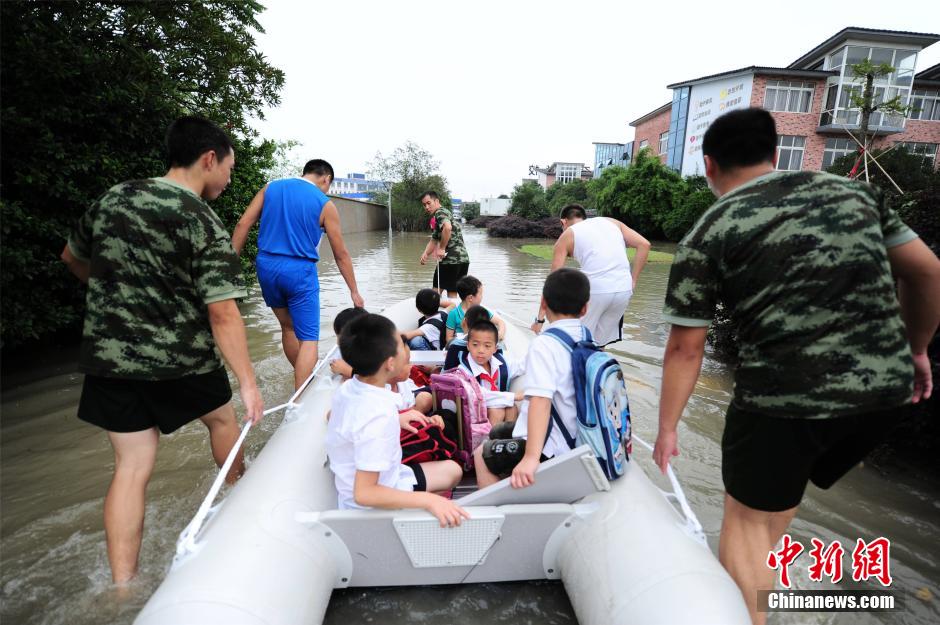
[766, 462]
[422, 484]
[502, 455]
[446, 276]
[122, 405]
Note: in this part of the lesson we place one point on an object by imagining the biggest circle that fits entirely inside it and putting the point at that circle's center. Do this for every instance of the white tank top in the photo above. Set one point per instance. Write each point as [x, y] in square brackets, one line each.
[600, 249]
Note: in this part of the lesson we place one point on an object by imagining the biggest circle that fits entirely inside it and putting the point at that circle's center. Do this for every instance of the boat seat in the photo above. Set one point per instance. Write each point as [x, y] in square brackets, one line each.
[566, 478]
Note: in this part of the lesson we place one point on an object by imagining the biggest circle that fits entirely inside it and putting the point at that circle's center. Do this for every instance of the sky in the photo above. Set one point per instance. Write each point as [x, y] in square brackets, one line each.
[490, 88]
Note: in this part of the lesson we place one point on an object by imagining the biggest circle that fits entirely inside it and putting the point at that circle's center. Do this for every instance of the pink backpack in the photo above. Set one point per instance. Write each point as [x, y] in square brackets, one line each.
[473, 426]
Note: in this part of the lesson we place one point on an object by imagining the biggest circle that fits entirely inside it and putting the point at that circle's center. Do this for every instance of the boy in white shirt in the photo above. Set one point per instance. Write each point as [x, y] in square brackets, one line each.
[492, 370]
[362, 439]
[432, 323]
[549, 385]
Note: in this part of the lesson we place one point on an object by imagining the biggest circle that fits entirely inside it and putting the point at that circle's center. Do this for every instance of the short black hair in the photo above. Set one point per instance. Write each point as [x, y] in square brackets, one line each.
[467, 286]
[483, 325]
[573, 211]
[428, 301]
[431, 194]
[367, 342]
[476, 313]
[345, 316]
[191, 136]
[319, 167]
[566, 291]
[741, 138]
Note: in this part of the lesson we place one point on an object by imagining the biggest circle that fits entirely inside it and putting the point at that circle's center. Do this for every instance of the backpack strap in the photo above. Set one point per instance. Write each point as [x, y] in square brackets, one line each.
[503, 371]
[438, 320]
[562, 337]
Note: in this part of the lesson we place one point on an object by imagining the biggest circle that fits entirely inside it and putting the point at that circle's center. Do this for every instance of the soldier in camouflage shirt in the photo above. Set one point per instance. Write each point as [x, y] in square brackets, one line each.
[803, 261]
[162, 281]
[446, 245]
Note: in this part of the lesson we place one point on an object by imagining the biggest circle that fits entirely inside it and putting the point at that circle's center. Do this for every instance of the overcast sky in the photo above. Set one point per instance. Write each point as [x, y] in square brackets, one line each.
[492, 87]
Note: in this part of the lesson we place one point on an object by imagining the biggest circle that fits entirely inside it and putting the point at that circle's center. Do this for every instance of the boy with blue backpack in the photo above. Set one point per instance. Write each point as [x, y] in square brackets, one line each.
[575, 395]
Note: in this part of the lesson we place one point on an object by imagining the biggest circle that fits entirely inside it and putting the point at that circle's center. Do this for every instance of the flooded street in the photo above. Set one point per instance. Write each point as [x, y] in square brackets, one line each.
[55, 469]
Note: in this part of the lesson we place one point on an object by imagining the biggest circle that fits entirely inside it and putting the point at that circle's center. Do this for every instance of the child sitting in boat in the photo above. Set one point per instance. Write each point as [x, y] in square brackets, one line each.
[410, 396]
[471, 294]
[430, 333]
[492, 370]
[362, 439]
[549, 385]
[458, 346]
[339, 366]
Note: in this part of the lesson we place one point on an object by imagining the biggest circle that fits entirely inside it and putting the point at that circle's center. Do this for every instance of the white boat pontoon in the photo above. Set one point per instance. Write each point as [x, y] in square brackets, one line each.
[275, 548]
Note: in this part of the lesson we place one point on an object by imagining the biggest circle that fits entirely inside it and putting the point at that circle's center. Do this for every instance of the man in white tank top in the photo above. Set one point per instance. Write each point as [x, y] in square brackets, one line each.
[599, 245]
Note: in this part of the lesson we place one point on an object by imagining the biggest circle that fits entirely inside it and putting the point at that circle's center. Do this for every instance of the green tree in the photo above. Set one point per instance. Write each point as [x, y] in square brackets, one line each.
[560, 195]
[470, 210]
[87, 92]
[411, 170]
[690, 200]
[528, 201]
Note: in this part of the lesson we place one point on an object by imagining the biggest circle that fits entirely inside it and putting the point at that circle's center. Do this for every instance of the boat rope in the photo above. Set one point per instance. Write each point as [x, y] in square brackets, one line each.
[186, 542]
[691, 521]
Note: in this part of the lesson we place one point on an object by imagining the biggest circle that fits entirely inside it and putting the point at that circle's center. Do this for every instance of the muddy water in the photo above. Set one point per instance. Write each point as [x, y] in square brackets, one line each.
[55, 470]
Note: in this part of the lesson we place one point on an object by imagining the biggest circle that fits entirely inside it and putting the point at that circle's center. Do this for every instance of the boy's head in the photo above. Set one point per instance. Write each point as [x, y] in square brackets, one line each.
[371, 345]
[482, 338]
[470, 287]
[404, 367]
[193, 142]
[566, 293]
[428, 301]
[474, 314]
[345, 316]
[572, 214]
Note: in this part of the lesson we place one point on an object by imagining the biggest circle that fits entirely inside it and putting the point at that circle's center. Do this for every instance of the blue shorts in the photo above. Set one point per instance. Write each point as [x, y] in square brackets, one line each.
[292, 283]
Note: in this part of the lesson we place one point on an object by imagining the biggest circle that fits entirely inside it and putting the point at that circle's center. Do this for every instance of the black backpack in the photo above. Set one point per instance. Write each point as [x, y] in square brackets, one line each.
[439, 321]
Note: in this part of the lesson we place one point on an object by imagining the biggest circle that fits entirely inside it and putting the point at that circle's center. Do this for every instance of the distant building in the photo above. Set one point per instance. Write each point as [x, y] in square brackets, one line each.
[494, 206]
[810, 100]
[355, 186]
[611, 155]
[561, 172]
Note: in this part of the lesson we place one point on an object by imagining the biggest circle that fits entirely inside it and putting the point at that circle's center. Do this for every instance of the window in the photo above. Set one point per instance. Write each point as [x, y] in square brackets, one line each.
[926, 105]
[787, 96]
[644, 143]
[927, 150]
[663, 142]
[567, 172]
[836, 149]
[790, 152]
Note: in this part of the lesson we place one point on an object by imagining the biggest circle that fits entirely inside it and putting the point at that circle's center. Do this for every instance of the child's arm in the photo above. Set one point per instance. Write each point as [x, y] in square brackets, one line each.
[368, 492]
[500, 326]
[340, 367]
[410, 334]
[539, 413]
[449, 336]
[448, 304]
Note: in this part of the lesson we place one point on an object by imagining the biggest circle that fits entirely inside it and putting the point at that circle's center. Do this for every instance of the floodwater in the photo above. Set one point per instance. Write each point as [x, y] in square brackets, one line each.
[56, 469]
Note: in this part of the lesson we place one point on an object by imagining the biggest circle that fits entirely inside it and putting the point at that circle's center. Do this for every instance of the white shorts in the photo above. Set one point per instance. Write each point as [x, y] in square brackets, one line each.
[604, 316]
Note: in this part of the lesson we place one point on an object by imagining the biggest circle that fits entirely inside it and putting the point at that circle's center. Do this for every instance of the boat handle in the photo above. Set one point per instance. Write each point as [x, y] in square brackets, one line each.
[186, 543]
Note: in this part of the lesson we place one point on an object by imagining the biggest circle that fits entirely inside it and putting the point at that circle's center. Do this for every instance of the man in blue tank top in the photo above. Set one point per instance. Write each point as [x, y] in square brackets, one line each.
[294, 214]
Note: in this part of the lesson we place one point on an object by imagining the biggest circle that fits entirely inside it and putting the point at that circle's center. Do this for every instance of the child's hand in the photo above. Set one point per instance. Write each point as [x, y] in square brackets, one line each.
[335, 366]
[405, 419]
[447, 512]
[437, 420]
[524, 473]
[520, 396]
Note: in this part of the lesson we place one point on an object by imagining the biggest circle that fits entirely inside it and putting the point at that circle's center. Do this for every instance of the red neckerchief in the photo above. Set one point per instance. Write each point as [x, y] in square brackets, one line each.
[492, 378]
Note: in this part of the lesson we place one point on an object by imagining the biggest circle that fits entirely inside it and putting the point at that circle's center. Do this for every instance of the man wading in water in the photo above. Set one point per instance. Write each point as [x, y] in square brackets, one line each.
[162, 282]
[804, 262]
[446, 246]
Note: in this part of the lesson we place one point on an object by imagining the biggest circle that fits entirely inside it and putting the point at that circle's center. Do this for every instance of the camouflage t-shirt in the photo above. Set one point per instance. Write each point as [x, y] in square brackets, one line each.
[158, 255]
[800, 261]
[456, 251]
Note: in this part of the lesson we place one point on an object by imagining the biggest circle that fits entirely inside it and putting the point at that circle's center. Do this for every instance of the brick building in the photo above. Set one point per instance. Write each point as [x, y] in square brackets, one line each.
[810, 101]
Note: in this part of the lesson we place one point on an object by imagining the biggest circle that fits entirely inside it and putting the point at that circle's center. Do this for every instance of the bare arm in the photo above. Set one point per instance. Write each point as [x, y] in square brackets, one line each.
[410, 334]
[330, 221]
[632, 238]
[446, 230]
[563, 248]
[341, 368]
[428, 250]
[368, 492]
[540, 409]
[682, 361]
[79, 268]
[918, 273]
[448, 336]
[228, 329]
[500, 326]
[248, 219]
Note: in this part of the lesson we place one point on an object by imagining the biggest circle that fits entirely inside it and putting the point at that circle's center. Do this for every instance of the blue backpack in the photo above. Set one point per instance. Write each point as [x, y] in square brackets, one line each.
[601, 397]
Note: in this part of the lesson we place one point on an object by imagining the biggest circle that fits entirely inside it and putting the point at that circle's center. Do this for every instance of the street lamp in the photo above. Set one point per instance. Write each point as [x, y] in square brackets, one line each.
[388, 188]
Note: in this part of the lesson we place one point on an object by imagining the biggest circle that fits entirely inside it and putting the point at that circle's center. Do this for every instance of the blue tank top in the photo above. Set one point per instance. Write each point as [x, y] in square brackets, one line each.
[290, 218]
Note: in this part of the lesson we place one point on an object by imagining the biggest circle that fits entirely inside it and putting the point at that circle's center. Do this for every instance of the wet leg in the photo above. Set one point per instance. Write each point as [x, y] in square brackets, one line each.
[223, 434]
[306, 361]
[288, 339]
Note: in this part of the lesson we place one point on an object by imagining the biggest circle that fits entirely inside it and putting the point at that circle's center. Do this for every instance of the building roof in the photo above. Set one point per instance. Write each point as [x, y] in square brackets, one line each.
[931, 73]
[604, 143]
[755, 69]
[869, 34]
[655, 112]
